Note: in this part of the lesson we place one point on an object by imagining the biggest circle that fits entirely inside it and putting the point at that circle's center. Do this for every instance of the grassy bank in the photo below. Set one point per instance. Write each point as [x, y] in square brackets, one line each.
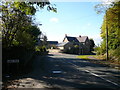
[99, 59]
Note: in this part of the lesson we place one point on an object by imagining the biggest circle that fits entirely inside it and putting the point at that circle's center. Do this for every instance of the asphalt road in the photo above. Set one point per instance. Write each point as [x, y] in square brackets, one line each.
[65, 71]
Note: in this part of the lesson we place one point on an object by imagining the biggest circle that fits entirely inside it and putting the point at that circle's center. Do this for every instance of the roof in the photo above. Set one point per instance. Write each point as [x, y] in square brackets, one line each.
[71, 39]
[61, 44]
[53, 42]
[82, 38]
[77, 39]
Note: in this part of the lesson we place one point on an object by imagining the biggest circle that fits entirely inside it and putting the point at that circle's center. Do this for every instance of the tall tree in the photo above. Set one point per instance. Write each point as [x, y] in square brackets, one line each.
[111, 18]
[112, 21]
[17, 21]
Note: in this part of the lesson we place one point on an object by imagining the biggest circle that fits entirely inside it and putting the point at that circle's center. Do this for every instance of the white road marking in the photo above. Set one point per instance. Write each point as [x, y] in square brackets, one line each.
[92, 73]
[95, 75]
[102, 78]
[57, 72]
[109, 81]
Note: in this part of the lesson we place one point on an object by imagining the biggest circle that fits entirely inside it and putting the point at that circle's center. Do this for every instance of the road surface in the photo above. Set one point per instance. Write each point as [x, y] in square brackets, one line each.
[65, 71]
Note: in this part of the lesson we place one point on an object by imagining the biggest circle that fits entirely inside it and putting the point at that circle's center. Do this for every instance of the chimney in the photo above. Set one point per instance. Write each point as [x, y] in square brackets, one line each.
[79, 35]
[65, 35]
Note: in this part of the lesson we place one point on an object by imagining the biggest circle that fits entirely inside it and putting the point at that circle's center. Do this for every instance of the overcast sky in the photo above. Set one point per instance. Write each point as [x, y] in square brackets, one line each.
[73, 19]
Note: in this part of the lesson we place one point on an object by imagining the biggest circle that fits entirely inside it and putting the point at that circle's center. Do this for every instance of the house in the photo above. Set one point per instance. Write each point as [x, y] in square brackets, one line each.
[52, 44]
[78, 45]
[65, 45]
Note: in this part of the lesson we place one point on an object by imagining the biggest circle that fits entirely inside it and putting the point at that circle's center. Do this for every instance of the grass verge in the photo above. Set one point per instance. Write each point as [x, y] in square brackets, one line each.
[99, 59]
[86, 56]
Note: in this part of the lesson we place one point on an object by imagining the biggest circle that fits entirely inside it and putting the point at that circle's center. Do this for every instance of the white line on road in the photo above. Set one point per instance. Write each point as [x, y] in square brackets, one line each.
[92, 73]
[102, 78]
[95, 75]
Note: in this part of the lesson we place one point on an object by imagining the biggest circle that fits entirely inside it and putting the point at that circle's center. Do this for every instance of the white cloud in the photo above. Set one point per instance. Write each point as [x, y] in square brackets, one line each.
[54, 19]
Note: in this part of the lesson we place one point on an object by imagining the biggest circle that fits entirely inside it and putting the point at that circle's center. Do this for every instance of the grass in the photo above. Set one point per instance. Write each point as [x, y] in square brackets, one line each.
[86, 56]
[99, 59]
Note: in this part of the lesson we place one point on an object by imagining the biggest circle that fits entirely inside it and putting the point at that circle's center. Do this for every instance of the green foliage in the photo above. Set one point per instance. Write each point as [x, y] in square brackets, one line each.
[18, 32]
[86, 56]
[100, 50]
[17, 26]
[92, 44]
[97, 50]
[15, 23]
[76, 46]
[114, 55]
[117, 51]
[37, 48]
[111, 22]
[34, 31]
[41, 50]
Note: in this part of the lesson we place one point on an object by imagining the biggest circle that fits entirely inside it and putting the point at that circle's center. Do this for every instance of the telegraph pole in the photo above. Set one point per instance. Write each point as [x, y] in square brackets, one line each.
[107, 56]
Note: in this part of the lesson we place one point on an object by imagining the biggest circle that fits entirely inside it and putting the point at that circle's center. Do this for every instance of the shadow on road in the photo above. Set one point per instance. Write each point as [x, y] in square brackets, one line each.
[70, 76]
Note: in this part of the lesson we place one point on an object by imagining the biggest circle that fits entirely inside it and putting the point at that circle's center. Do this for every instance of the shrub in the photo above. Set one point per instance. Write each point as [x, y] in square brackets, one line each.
[114, 55]
[40, 50]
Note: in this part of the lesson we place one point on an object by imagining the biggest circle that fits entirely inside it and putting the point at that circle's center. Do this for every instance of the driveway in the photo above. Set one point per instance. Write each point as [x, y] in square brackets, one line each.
[65, 71]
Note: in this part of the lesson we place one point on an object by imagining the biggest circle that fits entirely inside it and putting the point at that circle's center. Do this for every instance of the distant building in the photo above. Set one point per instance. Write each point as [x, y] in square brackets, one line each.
[79, 45]
[52, 44]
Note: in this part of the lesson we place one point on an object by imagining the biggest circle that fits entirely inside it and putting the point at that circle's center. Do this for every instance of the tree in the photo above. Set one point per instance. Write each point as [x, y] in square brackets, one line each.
[112, 19]
[111, 23]
[12, 30]
[19, 33]
[92, 44]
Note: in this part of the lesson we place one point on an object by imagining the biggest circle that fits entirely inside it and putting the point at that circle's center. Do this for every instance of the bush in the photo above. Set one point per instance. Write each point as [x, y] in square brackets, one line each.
[111, 54]
[100, 50]
[41, 50]
[114, 55]
[117, 52]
